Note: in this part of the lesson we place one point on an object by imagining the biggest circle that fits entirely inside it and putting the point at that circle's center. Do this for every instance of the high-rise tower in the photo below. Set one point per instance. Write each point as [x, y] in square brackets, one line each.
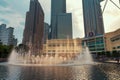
[58, 11]
[93, 19]
[34, 26]
[94, 27]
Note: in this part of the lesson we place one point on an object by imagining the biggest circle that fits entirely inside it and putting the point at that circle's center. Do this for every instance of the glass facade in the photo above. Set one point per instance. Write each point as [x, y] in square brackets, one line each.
[61, 22]
[57, 7]
[64, 26]
[93, 20]
[95, 44]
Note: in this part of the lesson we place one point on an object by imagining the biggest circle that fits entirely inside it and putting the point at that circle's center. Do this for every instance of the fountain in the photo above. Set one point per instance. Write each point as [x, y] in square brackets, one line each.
[85, 57]
[17, 58]
[57, 67]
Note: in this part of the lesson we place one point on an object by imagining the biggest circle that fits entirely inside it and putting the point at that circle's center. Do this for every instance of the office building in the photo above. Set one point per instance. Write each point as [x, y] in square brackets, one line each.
[58, 24]
[64, 26]
[93, 25]
[63, 47]
[46, 31]
[34, 27]
[6, 35]
[95, 44]
[93, 19]
[112, 40]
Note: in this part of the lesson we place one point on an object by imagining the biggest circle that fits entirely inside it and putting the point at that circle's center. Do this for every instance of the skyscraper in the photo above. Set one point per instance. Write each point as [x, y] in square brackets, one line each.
[46, 31]
[93, 19]
[64, 26]
[58, 7]
[6, 35]
[34, 26]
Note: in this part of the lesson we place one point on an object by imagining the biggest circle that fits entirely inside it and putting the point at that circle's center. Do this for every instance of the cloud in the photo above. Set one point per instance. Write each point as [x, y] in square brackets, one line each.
[19, 33]
[20, 6]
[13, 19]
[114, 25]
[13, 16]
[3, 3]
[75, 7]
[46, 5]
[5, 10]
[4, 21]
[111, 16]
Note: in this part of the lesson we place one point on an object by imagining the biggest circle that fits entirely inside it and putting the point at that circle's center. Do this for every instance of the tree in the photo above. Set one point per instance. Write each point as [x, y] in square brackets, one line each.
[21, 48]
[5, 51]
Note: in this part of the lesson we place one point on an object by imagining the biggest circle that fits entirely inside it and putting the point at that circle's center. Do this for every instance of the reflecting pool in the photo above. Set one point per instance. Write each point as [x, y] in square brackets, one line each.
[76, 72]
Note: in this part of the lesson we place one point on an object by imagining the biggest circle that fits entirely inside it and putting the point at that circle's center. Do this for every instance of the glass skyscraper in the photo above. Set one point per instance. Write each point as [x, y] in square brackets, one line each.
[93, 19]
[58, 7]
[93, 25]
[64, 26]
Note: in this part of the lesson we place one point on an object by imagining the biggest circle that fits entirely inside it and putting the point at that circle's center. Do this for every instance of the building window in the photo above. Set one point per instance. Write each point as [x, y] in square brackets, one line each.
[116, 38]
[53, 45]
[49, 45]
[114, 47]
[49, 50]
[58, 45]
[53, 51]
[92, 49]
[118, 47]
[100, 49]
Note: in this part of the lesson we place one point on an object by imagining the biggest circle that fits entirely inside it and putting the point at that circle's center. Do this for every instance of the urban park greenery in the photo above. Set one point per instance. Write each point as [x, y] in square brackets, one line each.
[113, 54]
[5, 50]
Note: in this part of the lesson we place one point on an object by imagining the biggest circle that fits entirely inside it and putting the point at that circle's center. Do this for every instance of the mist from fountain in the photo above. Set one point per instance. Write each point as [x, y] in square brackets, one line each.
[85, 57]
[17, 58]
[22, 59]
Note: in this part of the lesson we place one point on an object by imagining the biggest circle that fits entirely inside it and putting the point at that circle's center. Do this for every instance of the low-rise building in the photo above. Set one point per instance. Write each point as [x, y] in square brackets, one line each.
[95, 43]
[63, 47]
[112, 40]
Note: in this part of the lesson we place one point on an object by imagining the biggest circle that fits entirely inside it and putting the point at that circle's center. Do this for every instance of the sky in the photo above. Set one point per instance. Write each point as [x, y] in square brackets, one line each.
[13, 13]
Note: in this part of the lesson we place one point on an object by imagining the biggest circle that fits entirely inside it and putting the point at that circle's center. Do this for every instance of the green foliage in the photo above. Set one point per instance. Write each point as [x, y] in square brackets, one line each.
[21, 48]
[5, 50]
[109, 54]
[116, 54]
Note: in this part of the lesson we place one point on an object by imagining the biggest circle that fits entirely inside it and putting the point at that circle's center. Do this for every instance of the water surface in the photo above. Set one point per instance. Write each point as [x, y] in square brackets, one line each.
[81, 72]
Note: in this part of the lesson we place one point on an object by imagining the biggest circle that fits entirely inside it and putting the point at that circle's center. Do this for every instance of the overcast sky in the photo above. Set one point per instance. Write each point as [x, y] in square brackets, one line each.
[12, 13]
